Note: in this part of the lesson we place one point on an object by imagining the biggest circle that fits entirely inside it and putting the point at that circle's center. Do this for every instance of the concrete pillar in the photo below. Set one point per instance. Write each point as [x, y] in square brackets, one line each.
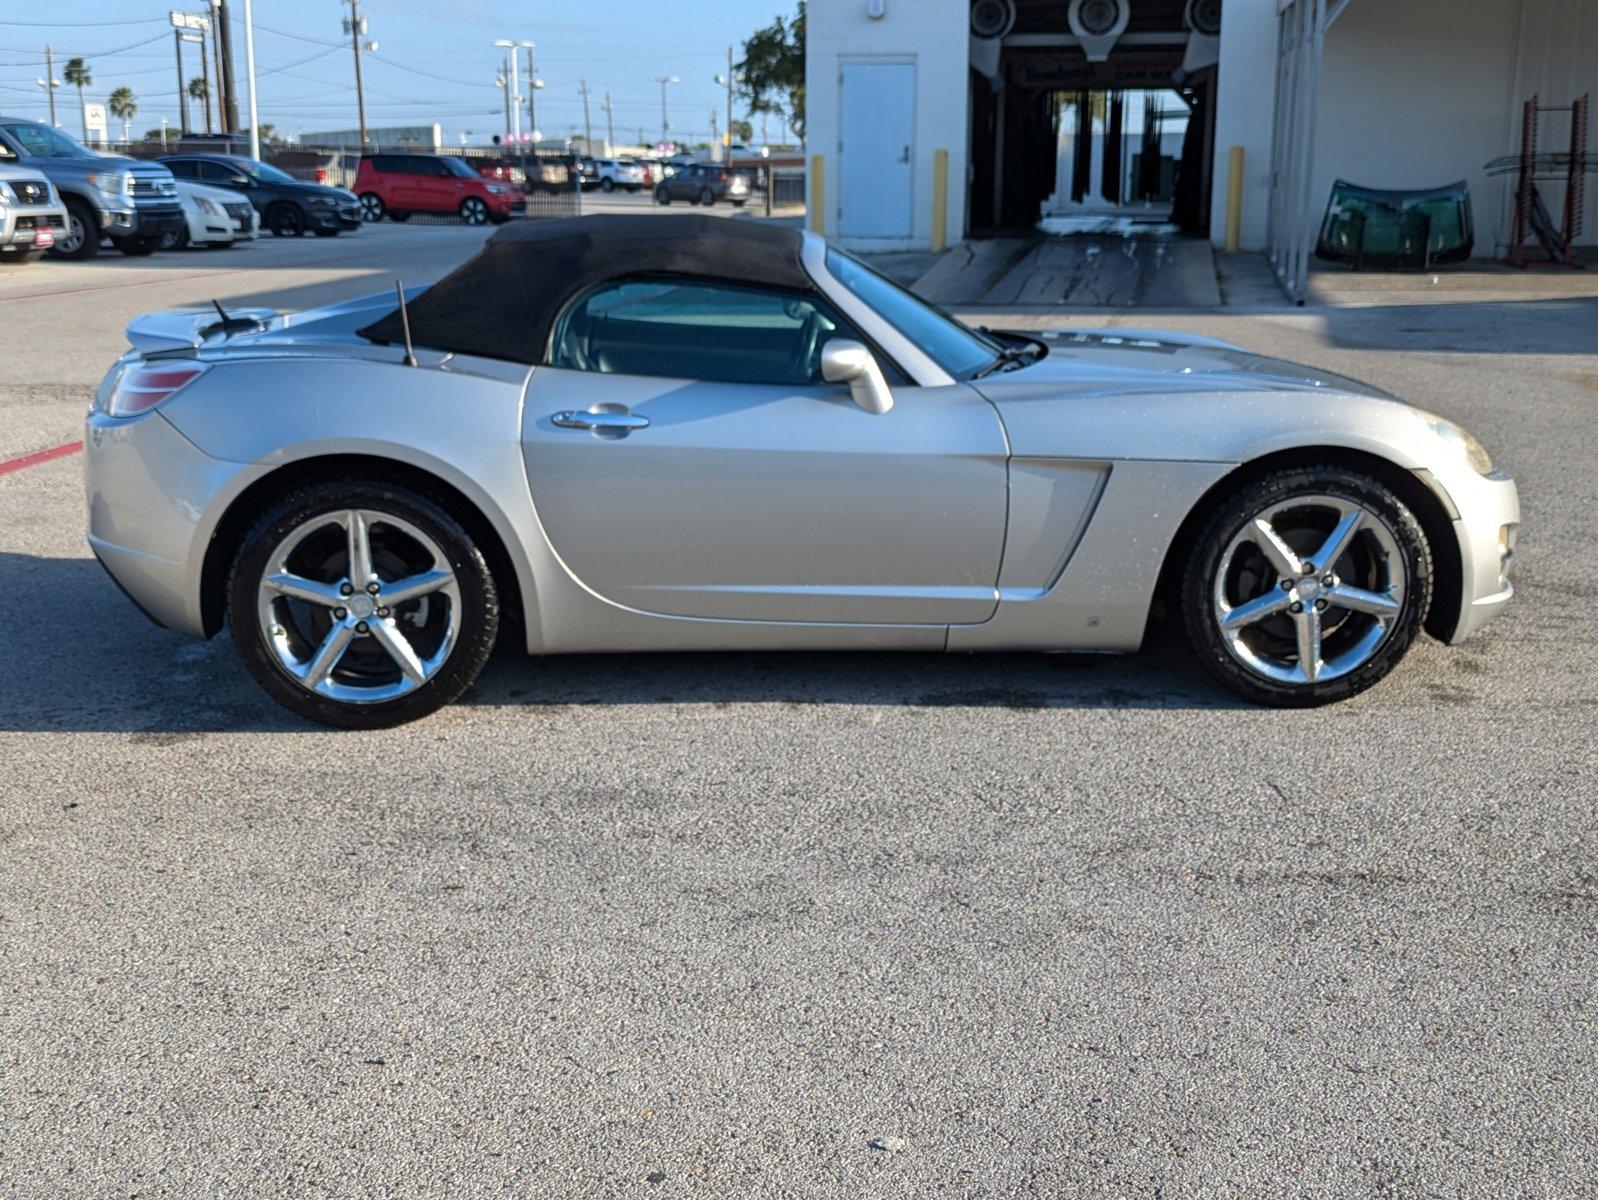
[1244, 113]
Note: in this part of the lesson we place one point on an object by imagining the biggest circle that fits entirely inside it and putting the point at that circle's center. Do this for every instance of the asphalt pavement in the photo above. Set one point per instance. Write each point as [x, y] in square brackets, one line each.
[798, 925]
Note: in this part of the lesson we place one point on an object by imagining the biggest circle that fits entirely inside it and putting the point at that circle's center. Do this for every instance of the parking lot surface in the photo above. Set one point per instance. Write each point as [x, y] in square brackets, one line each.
[800, 925]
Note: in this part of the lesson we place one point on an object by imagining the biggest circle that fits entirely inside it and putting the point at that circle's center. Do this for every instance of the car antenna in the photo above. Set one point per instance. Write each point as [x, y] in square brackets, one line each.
[405, 324]
[229, 324]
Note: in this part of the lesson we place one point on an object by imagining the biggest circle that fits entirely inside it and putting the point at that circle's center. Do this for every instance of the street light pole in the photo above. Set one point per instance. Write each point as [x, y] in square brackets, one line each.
[249, 75]
[610, 127]
[665, 122]
[513, 73]
[532, 94]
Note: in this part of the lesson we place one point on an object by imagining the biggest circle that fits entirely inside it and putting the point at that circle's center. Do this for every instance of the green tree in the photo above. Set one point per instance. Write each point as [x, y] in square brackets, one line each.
[198, 90]
[78, 75]
[773, 70]
[742, 131]
[124, 107]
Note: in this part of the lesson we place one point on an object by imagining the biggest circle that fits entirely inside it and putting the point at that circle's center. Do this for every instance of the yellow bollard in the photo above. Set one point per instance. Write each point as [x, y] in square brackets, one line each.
[1234, 200]
[818, 194]
[940, 200]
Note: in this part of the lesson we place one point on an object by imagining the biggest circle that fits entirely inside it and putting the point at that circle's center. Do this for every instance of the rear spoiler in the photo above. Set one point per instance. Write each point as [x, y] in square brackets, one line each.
[189, 329]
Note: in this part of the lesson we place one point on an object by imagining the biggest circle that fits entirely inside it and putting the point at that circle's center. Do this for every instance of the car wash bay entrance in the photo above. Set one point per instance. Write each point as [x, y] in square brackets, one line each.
[1068, 132]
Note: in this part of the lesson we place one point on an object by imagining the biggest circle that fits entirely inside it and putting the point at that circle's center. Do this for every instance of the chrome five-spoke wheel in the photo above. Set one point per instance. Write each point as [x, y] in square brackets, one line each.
[1298, 602]
[1306, 586]
[361, 604]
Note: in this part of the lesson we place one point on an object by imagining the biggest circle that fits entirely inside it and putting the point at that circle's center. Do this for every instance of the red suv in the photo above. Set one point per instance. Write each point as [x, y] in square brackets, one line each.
[401, 184]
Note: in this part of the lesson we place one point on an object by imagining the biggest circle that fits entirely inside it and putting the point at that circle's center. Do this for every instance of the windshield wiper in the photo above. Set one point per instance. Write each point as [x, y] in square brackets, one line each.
[1005, 357]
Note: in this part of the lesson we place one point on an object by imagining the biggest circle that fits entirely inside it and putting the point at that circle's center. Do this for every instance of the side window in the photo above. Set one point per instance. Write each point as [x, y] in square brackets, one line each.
[7, 154]
[183, 168]
[216, 172]
[689, 329]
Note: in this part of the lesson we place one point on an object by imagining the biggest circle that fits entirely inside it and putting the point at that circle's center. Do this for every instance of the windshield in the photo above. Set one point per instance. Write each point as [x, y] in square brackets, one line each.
[44, 142]
[263, 171]
[960, 351]
[457, 167]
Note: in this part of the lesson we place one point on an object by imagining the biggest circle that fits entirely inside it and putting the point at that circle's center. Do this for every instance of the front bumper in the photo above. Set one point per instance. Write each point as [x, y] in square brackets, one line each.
[153, 500]
[143, 221]
[1486, 516]
[20, 228]
[343, 217]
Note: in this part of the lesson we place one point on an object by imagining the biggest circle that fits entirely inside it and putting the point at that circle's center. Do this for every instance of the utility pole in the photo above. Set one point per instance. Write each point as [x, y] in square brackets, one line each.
[205, 79]
[355, 26]
[588, 132]
[610, 126]
[715, 138]
[227, 101]
[218, 20]
[514, 74]
[503, 84]
[183, 91]
[49, 83]
[728, 156]
[665, 122]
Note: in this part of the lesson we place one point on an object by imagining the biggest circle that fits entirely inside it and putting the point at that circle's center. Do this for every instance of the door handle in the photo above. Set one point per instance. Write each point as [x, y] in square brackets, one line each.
[603, 420]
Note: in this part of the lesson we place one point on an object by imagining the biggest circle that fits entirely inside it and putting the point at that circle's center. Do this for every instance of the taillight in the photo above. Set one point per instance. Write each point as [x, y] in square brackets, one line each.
[721, 177]
[145, 385]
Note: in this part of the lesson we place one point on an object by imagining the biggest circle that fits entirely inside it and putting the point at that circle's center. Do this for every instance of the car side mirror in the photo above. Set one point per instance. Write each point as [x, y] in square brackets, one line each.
[846, 361]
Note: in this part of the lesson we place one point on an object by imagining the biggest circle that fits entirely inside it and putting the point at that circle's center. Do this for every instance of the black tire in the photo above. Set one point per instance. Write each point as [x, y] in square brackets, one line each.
[372, 207]
[662, 196]
[81, 215]
[479, 602]
[607, 184]
[176, 240]
[19, 257]
[706, 197]
[285, 220]
[137, 247]
[326, 232]
[1229, 517]
[738, 203]
[398, 217]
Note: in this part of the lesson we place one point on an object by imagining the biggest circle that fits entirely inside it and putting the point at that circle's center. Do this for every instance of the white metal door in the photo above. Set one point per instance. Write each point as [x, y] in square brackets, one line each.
[876, 153]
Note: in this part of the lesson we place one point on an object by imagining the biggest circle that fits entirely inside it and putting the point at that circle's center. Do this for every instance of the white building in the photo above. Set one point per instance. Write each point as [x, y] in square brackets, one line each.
[922, 132]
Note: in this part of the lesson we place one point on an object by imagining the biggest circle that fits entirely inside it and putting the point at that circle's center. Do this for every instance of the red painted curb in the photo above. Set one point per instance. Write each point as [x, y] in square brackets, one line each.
[39, 456]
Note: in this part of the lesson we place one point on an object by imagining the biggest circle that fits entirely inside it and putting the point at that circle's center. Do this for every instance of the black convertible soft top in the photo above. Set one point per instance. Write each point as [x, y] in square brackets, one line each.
[503, 302]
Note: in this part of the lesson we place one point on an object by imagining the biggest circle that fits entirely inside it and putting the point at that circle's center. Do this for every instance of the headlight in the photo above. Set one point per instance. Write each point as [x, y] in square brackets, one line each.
[495, 189]
[1467, 447]
[323, 201]
[209, 207]
[5, 194]
[112, 183]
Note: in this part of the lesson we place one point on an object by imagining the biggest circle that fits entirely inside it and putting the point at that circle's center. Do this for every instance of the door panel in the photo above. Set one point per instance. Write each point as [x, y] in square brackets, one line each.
[877, 152]
[773, 503]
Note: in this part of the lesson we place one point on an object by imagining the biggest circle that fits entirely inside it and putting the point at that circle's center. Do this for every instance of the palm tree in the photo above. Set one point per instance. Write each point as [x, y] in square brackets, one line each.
[123, 106]
[200, 90]
[77, 74]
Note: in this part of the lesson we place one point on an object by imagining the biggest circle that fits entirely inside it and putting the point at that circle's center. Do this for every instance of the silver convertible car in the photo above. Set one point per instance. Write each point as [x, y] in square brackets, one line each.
[685, 433]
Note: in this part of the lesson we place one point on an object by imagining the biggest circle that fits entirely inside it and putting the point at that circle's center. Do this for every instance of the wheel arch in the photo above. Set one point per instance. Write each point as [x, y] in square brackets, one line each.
[253, 500]
[1430, 509]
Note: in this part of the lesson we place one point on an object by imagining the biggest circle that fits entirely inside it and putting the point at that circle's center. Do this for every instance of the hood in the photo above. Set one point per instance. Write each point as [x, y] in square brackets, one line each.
[1134, 362]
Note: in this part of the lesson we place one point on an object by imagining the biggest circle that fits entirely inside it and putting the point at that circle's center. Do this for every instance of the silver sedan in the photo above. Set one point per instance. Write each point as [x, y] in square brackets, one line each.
[618, 434]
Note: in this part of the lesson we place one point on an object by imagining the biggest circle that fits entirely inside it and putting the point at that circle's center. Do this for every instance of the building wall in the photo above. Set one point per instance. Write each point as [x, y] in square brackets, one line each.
[1245, 113]
[935, 34]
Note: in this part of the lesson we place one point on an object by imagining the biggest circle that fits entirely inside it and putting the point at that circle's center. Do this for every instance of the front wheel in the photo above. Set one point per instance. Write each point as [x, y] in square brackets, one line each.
[175, 239]
[82, 239]
[285, 220]
[1306, 586]
[326, 232]
[706, 198]
[138, 247]
[361, 604]
[474, 211]
[662, 196]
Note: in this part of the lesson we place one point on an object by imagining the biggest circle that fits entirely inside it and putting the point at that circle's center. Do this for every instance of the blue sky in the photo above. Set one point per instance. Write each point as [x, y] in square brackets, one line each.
[306, 78]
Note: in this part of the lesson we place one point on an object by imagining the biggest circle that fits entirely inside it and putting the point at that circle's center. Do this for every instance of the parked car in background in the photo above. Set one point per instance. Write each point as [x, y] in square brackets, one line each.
[626, 173]
[587, 172]
[397, 185]
[331, 168]
[133, 203]
[500, 170]
[214, 217]
[287, 206]
[32, 216]
[704, 183]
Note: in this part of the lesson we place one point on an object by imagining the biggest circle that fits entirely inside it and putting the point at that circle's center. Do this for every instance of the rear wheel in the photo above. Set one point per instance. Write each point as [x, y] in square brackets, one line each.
[706, 197]
[473, 211]
[361, 604]
[82, 239]
[1306, 586]
[285, 220]
[662, 195]
[607, 184]
[372, 207]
